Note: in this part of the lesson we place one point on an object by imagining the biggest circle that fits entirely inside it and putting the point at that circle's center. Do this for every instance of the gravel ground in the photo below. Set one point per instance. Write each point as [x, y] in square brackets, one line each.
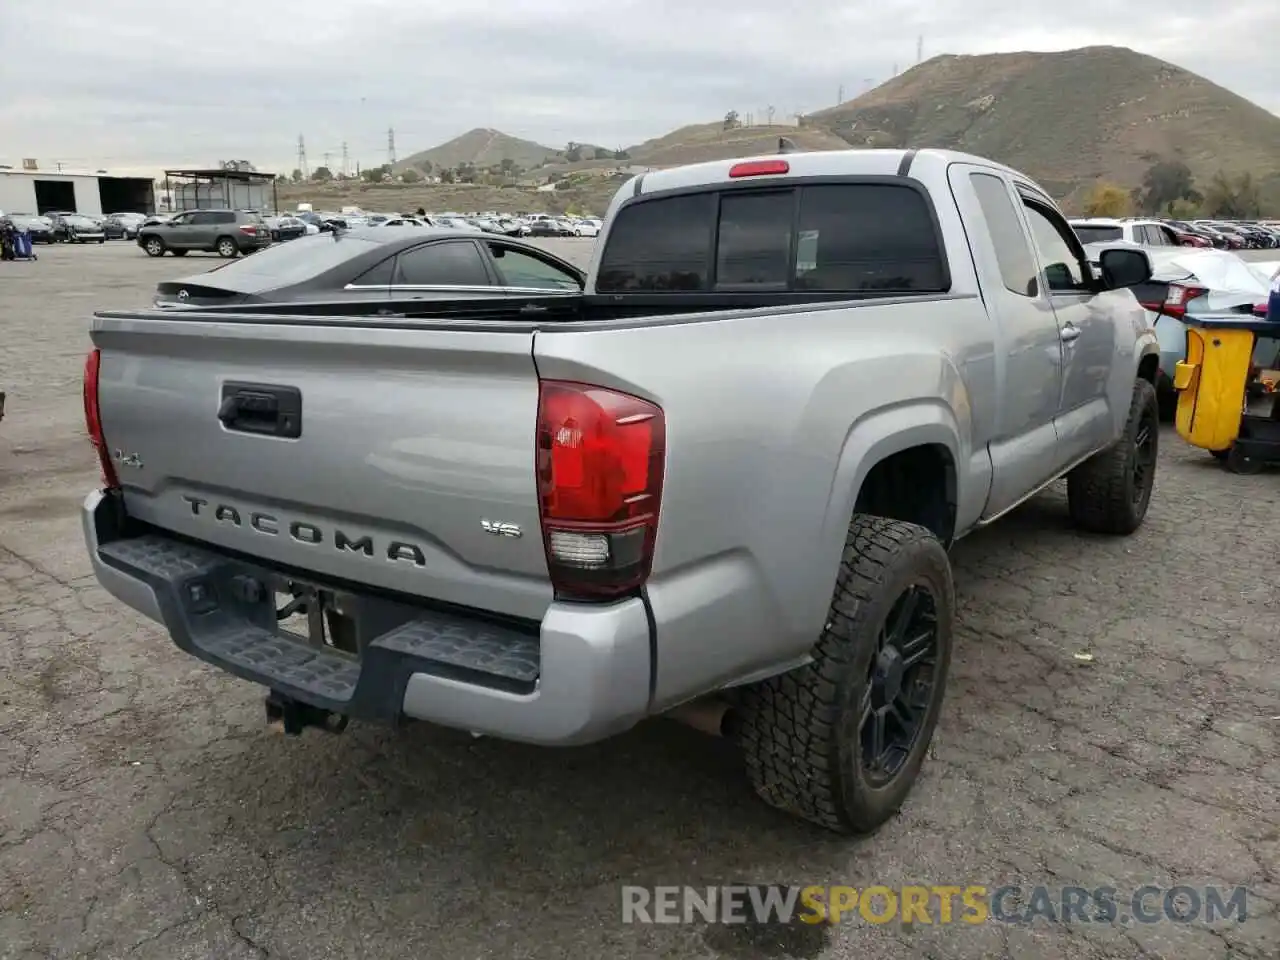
[145, 810]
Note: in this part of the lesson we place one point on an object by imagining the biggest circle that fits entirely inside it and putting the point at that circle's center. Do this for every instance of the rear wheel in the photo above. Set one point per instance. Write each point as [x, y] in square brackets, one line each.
[154, 247]
[1110, 492]
[226, 247]
[840, 742]
[1237, 462]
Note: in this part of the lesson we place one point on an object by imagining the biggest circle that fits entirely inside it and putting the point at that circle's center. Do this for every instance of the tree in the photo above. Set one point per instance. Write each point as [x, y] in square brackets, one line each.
[1184, 209]
[296, 176]
[1107, 200]
[603, 154]
[731, 121]
[426, 167]
[508, 166]
[447, 176]
[466, 172]
[410, 176]
[621, 154]
[1164, 182]
[573, 152]
[375, 174]
[1233, 199]
[322, 174]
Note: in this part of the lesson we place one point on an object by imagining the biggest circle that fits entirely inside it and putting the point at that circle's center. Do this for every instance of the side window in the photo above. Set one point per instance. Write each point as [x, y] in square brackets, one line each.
[447, 264]
[520, 269]
[203, 219]
[868, 237]
[660, 246]
[1013, 251]
[181, 219]
[379, 276]
[226, 216]
[1063, 268]
[754, 249]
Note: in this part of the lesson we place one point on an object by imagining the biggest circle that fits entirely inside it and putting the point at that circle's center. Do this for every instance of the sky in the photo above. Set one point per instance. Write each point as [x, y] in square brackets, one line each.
[134, 86]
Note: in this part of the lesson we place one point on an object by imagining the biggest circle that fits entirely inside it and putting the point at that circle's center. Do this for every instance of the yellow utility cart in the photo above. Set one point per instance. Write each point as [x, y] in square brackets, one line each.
[1228, 402]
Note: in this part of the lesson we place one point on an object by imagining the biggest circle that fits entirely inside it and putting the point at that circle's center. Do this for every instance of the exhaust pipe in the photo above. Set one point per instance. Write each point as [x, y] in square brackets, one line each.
[712, 716]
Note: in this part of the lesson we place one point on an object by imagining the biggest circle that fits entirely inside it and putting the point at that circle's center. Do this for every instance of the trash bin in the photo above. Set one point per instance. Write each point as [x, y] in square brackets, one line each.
[1225, 405]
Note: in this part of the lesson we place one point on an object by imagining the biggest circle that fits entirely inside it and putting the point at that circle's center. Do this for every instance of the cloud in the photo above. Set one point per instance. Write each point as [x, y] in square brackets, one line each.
[143, 84]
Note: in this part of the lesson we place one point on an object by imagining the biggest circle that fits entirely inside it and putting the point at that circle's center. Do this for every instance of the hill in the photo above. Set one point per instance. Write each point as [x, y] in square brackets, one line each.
[484, 148]
[711, 141]
[1067, 119]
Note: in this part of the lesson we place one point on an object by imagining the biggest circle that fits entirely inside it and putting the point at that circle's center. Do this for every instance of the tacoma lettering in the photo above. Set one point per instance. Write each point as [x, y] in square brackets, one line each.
[300, 531]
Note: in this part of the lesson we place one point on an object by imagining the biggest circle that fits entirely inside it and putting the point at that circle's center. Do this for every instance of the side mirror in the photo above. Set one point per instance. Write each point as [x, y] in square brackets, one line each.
[1124, 268]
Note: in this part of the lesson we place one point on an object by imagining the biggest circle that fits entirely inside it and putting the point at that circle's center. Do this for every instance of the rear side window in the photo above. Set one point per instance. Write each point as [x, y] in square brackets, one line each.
[1013, 251]
[449, 264]
[816, 238]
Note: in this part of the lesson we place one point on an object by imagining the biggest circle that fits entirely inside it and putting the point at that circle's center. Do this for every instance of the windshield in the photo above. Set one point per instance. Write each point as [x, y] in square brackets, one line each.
[1095, 234]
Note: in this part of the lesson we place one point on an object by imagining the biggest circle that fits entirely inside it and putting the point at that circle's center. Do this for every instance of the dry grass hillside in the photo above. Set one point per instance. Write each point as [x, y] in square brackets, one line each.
[711, 141]
[1067, 119]
[483, 148]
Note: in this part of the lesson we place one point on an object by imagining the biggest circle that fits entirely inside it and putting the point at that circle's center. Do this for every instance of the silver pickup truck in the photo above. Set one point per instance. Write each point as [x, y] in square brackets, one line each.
[727, 473]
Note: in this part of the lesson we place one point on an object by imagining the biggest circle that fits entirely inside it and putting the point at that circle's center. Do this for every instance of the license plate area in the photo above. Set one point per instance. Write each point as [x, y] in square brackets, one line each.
[317, 617]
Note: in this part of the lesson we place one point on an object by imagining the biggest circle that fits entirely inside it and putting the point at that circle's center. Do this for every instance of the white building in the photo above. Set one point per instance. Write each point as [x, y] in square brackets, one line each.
[39, 191]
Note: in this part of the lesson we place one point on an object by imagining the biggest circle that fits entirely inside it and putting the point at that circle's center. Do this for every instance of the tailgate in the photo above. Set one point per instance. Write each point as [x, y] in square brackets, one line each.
[397, 457]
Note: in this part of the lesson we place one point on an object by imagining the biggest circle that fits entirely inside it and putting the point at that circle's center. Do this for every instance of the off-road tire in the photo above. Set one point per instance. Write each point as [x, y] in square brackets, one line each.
[1103, 495]
[154, 247]
[800, 732]
[226, 248]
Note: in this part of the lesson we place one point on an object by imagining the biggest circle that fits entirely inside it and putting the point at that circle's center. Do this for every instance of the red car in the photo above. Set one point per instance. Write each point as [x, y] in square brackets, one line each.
[1191, 239]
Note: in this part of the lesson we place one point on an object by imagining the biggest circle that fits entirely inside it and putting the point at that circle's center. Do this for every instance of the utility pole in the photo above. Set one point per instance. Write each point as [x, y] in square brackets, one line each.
[895, 69]
[302, 158]
[840, 95]
[345, 168]
[920, 49]
[391, 146]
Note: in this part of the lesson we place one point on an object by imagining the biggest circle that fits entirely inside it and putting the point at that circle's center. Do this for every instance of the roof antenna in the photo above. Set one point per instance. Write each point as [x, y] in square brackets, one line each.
[787, 145]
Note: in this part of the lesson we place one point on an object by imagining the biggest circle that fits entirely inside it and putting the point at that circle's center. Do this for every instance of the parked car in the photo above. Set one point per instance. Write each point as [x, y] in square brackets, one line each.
[804, 377]
[40, 228]
[1147, 233]
[285, 228]
[76, 228]
[547, 227]
[586, 228]
[367, 269]
[123, 226]
[228, 233]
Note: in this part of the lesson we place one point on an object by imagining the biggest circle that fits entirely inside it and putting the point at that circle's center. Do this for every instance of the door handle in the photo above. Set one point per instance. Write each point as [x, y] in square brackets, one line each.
[532, 309]
[1069, 332]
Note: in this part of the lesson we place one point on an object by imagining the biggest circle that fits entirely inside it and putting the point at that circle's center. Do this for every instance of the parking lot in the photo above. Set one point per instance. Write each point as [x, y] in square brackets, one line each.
[146, 811]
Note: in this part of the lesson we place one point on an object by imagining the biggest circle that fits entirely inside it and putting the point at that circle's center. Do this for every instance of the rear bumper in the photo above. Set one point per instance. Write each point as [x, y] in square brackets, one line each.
[581, 676]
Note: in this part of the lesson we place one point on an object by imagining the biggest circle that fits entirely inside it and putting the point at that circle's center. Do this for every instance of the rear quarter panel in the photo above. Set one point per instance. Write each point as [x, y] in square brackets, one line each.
[773, 419]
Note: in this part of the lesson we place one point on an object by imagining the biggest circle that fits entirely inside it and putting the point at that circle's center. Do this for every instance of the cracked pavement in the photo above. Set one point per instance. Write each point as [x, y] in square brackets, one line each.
[147, 812]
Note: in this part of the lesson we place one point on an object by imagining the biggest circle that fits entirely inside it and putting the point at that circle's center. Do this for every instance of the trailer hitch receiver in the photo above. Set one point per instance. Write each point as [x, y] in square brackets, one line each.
[292, 716]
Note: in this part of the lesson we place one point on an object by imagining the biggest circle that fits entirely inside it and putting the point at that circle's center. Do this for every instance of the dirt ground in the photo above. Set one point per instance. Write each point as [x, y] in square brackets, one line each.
[147, 812]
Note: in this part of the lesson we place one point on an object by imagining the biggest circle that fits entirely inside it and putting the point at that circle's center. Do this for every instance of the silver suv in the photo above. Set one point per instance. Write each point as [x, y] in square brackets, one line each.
[228, 233]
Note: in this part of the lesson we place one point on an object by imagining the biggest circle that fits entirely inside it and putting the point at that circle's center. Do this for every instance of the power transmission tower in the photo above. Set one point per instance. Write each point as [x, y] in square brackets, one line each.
[391, 146]
[920, 48]
[327, 155]
[769, 112]
[302, 157]
[840, 95]
[345, 168]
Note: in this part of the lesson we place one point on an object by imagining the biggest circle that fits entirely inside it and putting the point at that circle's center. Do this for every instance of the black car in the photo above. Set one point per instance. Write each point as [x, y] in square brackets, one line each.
[549, 228]
[374, 266]
[40, 228]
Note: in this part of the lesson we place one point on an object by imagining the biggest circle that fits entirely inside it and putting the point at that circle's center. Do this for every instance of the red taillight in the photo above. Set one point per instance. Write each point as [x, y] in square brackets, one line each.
[759, 168]
[601, 456]
[249, 229]
[93, 418]
[1177, 298]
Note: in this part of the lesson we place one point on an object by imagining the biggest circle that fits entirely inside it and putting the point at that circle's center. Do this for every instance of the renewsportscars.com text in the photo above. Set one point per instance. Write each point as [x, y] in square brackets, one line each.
[938, 904]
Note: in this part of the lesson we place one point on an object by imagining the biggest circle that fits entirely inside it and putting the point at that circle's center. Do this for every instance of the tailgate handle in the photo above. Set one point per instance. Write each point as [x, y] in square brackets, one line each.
[266, 410]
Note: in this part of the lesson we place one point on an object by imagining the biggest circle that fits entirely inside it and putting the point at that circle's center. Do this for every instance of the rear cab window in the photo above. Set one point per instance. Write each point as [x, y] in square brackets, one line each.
[1097, 233]
[878, 237]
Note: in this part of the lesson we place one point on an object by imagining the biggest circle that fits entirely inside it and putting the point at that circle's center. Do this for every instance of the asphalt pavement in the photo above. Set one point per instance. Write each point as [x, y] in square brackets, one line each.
[1113, 720]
